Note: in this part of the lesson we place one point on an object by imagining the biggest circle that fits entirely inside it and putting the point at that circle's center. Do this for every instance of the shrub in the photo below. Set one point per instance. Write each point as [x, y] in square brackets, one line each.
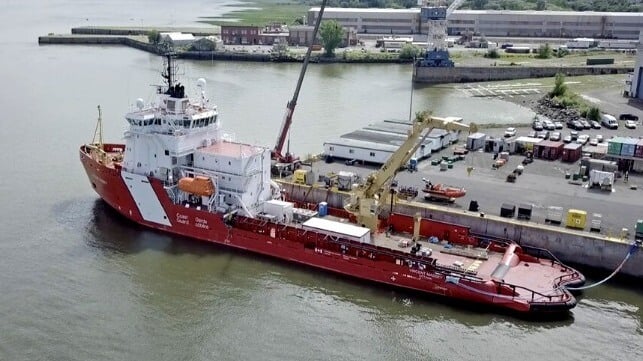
[492, 53]
[559, 86]
[544, 52]
[594, 114]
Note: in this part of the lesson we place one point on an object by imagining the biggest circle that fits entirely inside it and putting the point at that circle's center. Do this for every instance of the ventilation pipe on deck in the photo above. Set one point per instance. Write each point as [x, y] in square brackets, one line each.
[510, 259]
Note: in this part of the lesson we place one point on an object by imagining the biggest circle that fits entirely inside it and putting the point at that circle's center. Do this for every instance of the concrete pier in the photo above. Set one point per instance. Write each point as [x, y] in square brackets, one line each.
[464, 74]
[590, 250]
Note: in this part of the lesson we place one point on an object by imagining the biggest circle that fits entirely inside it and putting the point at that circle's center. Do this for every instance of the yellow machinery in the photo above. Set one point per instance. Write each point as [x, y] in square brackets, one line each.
[367, 200]
[576, 219]
[303, 176]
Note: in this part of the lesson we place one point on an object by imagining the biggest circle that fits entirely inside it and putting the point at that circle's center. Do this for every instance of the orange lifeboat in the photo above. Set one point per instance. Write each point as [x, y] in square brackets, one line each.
[199, 186]
[441, 191]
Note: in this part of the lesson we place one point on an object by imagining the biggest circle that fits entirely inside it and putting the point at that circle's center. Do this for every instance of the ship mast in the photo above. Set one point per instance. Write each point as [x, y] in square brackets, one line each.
[98, 132]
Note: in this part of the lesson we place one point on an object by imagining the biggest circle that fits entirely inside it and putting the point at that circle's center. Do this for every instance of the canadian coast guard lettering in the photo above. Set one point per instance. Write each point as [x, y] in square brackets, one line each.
[182, 218]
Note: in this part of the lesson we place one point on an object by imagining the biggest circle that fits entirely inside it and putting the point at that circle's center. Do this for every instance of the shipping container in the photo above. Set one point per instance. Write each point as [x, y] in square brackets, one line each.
[554, 215]
[614, 146]
[576, 219]
[639, 149]
[280, 211]
[548, 149]
[572, 152]
[476, 141]
[639, 228]
[628, 146]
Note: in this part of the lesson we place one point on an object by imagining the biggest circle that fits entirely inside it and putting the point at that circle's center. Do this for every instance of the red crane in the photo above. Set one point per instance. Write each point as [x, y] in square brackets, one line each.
[288, 159]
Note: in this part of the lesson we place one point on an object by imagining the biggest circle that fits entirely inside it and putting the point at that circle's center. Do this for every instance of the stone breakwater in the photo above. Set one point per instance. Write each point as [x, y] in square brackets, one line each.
[554, 111]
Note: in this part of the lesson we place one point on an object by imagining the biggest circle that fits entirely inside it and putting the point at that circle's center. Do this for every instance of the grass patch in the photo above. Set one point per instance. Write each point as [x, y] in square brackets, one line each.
[261, 13]
[561, 95]
[503, 125]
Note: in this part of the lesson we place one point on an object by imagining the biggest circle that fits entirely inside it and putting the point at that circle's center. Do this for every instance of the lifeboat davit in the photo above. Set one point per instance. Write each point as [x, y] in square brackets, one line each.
[198, 186]
[443, 192]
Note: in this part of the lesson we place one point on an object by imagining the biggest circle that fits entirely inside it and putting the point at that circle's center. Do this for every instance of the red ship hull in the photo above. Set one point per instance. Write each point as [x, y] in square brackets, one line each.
[368, 262]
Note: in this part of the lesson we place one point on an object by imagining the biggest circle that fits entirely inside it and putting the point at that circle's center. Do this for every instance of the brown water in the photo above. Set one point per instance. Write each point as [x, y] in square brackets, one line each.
[77, 282]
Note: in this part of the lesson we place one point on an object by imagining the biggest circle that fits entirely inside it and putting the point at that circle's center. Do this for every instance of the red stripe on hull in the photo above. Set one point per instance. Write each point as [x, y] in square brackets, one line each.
[211, 227]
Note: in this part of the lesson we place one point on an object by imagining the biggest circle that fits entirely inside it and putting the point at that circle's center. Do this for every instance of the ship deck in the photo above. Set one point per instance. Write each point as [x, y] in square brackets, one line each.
[478, 262]
[110, 156]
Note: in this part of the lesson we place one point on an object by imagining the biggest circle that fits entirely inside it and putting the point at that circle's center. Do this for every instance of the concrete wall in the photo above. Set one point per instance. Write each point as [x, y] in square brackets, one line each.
[115, 30]
[473, 74]
[583, 248]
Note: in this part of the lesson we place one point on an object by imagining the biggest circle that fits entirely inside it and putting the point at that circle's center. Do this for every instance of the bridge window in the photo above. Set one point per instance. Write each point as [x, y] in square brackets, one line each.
[372, 154]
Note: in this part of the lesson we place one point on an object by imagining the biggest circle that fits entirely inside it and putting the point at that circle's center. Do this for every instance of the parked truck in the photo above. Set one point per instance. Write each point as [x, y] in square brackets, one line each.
[601, 179]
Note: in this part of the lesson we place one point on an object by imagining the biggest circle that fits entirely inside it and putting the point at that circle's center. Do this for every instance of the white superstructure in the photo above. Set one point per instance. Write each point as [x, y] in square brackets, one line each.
[177, 139]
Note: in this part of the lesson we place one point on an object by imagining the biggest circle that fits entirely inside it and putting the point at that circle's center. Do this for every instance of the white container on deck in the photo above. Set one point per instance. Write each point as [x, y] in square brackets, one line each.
[338, 229]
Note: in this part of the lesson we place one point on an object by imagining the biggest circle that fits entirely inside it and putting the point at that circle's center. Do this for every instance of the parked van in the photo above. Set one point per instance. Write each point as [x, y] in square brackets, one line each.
[609, 121]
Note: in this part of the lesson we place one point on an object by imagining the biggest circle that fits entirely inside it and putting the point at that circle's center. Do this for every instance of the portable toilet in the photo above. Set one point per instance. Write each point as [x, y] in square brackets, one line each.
[413, 164]
[322, 211]
[576, 219]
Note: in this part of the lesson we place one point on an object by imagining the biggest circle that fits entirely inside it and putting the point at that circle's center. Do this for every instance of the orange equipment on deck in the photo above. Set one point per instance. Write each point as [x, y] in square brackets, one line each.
[199, 185]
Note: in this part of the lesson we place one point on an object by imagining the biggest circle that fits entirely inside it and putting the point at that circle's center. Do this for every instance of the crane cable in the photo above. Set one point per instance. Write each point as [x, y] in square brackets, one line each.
[633, 248]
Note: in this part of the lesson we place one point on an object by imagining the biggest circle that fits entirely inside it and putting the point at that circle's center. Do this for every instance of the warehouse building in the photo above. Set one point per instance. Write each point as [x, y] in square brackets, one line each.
[565, 24]
[634, 83]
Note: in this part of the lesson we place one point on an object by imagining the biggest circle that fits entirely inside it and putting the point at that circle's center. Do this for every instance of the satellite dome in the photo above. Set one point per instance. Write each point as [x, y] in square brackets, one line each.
[140, 103]
[201, 83]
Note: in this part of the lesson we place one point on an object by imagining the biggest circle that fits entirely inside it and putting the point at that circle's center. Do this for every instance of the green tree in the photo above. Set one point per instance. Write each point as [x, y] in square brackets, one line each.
[409, 51]
[153, 36]
[594, 114]
[541, 4]
[492, 54]
[479, 4]
[544, 52]
[559, 86]
[331, 34]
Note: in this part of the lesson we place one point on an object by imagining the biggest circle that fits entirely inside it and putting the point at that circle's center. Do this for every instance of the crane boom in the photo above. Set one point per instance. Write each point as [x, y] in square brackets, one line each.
[454, 5]
[290, 107]
[369, 197]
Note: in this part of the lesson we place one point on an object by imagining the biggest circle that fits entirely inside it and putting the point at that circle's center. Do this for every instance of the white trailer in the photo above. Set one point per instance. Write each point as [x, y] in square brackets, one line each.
[365, 151]
[581, 43]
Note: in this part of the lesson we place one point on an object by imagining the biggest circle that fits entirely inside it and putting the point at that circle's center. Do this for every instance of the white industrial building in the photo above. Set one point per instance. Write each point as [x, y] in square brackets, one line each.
[177, 39]
[566, 24]
[557, 24]
[635, 80]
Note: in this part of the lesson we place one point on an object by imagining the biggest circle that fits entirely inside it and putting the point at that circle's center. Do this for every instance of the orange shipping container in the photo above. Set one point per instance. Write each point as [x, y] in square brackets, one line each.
[200, 186]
